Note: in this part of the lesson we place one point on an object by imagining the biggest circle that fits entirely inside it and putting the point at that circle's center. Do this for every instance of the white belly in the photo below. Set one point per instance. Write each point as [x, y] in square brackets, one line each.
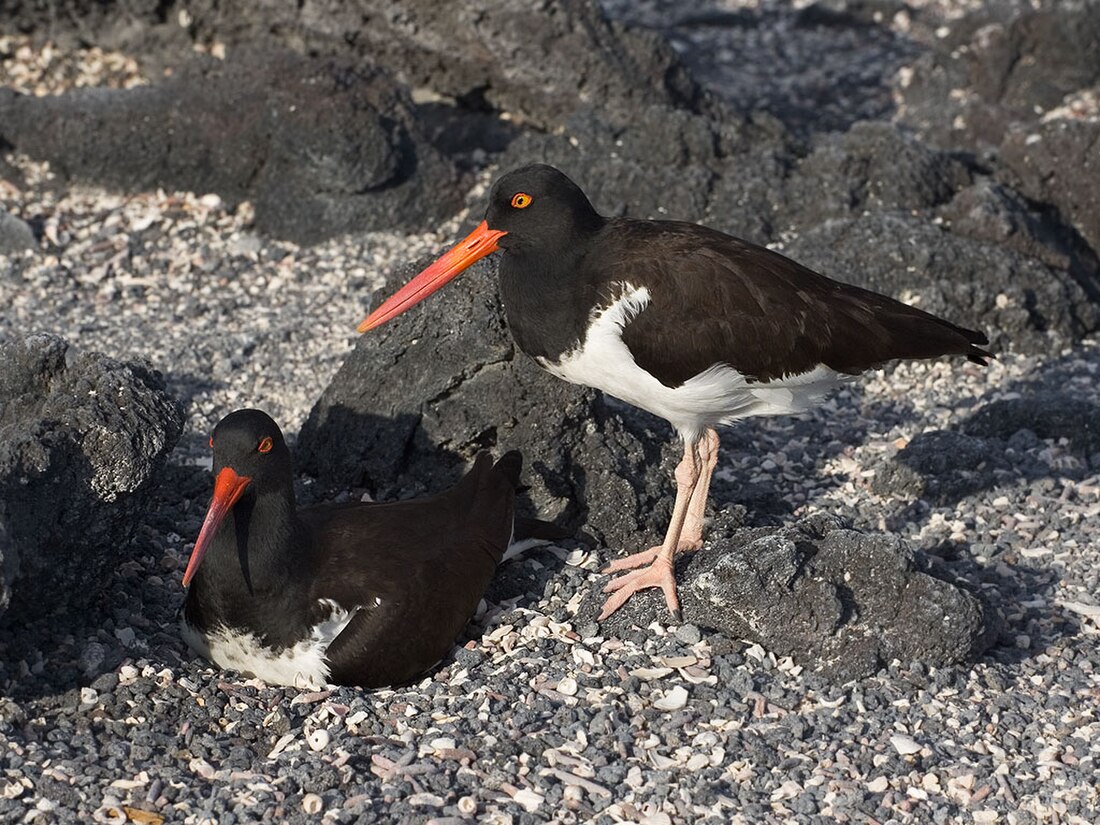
[718, 395]
[303, 665]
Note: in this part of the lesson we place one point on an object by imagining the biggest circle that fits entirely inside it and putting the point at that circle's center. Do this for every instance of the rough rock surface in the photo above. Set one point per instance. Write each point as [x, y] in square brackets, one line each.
[81, 440]
[992, 212]
[1016, 300]
[1006, 62]
[875, 167]
[839, 601]
[541, 66]
[318, 147]
[418, 397]
[1059, 163]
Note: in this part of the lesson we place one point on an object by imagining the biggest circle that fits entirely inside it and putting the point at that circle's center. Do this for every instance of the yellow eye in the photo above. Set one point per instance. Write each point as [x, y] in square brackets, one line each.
[521, 200]
[265, 445]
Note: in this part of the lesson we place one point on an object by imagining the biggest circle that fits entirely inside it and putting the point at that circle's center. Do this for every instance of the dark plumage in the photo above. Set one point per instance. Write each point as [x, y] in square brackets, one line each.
[693, 325]
[366, 594]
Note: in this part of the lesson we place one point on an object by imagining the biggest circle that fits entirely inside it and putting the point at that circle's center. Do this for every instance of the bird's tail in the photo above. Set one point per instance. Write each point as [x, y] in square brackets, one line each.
[922, 335]
[869, 329]
[510, 465]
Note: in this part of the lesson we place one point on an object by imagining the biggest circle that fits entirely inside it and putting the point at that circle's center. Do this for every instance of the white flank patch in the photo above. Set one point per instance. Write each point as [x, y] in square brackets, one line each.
[302, 666]
[518, 548]
[718, 395]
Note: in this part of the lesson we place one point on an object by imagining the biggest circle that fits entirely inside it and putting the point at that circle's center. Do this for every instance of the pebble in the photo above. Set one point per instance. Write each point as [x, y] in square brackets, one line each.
[904, 745]
[673, 699]
[1011, 735]
[878, 784]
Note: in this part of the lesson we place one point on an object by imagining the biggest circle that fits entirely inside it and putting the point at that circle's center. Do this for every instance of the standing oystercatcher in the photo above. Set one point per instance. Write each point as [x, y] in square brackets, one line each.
[693, 325]
[358, 593]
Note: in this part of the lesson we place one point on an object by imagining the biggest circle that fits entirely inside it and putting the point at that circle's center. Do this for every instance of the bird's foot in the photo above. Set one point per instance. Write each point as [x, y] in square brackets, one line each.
[645, 557]
[658, 574]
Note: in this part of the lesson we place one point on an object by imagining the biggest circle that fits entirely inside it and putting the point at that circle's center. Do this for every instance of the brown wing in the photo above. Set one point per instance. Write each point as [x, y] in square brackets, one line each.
[717, 299]
[427, 563]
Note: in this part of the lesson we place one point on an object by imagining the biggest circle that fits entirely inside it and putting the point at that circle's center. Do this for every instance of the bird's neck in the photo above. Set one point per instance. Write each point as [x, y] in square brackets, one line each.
[261, 547]
[546, 296]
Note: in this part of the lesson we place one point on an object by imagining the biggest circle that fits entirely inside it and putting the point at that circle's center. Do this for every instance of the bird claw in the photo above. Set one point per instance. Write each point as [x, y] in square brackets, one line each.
[658, 574]
[646, 557]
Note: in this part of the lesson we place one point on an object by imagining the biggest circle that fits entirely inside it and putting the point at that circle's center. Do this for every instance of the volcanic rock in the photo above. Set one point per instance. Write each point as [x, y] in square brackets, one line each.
[1002, 64]
[992, 212]
[873, 166]
[840, 602]
[418, 397]
[1058, 162]
[82, 438]
[540, 64]
[318, 147]
[1016, 300]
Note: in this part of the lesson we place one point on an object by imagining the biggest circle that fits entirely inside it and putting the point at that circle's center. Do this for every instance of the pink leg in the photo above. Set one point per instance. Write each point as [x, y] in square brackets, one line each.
[692, 537]
[660, 571]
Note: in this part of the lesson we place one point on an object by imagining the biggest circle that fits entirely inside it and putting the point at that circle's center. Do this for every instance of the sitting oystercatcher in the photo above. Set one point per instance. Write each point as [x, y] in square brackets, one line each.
[358, 593]
[693, 325]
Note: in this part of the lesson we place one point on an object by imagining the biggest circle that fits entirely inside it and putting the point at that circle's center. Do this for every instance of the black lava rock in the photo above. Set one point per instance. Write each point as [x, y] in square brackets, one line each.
[418, 397]
[541, 63]
[840, 602]
[1016, 300]
[1015, 63]
[319, 147]
[874, 166]
[992, 212]
[81, 439]
[1059, 163]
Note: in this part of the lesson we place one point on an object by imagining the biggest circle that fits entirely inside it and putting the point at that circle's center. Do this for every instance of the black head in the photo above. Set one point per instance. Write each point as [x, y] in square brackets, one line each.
[251, 443]
[539, 206]
[251, 460]
[534, 209]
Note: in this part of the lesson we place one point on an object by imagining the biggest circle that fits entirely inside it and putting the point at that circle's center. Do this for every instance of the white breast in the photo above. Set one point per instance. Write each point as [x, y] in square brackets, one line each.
[303, 665]
[718, 395]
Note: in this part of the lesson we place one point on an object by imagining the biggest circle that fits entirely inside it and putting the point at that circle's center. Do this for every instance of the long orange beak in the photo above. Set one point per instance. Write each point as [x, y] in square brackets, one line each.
[475, 246]
[227, 489]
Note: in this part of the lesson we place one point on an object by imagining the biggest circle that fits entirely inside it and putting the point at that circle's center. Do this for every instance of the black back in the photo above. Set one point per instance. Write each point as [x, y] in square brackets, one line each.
[713, 298]
[415, 569]
[429, 561]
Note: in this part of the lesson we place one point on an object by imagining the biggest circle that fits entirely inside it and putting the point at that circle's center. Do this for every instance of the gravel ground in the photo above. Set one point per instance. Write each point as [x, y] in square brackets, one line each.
[534, 719]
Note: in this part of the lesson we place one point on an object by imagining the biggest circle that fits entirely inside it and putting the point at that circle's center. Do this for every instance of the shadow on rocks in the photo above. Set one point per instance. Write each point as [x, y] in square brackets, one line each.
[419, 397]
[1045, 428]
[840, 602]
[83, 441]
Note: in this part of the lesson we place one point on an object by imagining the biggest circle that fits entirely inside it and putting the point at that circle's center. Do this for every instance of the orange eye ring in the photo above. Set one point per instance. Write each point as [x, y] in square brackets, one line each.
[266, 445]
[521, 200]
[211, 441]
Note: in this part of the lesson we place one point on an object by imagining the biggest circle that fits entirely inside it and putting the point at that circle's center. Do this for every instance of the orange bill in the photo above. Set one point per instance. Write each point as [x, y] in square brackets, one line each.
[475, 246]
[228, 487]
